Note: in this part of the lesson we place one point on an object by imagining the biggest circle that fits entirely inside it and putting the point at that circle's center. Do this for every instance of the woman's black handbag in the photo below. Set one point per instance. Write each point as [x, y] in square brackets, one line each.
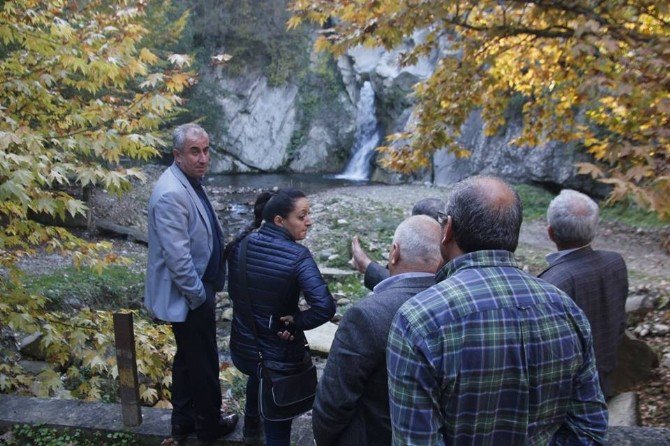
[285, 390]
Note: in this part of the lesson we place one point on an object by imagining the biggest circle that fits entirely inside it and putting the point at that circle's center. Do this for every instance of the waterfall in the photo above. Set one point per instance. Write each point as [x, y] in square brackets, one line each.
[366, 137]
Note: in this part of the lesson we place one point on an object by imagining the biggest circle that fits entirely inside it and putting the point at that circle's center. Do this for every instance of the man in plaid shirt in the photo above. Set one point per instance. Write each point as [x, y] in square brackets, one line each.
[491, 355]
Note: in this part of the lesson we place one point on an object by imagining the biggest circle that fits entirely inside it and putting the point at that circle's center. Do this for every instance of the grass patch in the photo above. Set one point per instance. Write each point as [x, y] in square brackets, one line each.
[531, 258]
[351, 286]
[117, 287]
[535, 201]
[21, 435]
[631, 215]
[374, 228]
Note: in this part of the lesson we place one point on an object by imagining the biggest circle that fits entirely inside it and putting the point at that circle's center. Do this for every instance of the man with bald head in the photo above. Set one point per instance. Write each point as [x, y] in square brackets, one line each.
[373, 272]
[491, 355]
[351, 406]
[596, 280]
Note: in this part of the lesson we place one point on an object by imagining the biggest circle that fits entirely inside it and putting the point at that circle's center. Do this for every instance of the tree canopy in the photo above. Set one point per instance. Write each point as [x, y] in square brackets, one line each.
[592, 72]
[83, 88]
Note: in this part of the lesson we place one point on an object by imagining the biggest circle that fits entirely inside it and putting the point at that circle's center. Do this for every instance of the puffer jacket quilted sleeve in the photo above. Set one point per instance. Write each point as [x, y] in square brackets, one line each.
[317, 295]
[278, 269]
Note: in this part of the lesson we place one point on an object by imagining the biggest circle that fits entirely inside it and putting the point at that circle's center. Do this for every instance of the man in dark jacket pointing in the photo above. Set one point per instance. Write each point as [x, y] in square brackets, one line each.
[351, 406]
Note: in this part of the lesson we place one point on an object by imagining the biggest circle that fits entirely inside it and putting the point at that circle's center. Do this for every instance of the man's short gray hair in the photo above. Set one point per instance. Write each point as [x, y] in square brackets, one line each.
[419, 240]
[184, 131]
[573, 217]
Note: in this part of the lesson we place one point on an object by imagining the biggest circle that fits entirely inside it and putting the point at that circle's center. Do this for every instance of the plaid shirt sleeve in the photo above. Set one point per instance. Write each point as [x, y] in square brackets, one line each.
[587, 416]
[416, 417]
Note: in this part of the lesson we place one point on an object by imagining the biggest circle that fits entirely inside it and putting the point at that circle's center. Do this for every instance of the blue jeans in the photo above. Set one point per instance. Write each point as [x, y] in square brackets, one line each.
[277, 433]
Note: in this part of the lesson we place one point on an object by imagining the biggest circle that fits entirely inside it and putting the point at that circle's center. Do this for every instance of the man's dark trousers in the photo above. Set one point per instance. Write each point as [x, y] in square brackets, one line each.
[196, 392]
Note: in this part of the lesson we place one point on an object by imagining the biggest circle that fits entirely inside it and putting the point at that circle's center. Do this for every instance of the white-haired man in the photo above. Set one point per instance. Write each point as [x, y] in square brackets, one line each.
[596, 280]
[351, 406]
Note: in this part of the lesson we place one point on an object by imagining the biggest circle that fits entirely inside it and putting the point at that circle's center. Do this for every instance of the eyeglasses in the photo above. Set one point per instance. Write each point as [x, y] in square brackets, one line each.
[442, 218]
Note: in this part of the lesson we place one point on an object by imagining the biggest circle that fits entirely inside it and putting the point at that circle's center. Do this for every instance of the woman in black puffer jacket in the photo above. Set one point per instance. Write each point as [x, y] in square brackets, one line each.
[278, 269]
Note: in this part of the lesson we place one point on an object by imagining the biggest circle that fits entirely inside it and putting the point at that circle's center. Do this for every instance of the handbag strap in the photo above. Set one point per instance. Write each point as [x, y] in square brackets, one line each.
[244, 293]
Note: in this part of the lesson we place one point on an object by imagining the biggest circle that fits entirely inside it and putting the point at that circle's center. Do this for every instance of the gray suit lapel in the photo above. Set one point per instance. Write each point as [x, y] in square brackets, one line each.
[194, 197]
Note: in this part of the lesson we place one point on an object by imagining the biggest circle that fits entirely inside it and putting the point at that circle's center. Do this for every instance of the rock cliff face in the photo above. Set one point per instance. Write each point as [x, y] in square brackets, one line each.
[391, 82]
[264, 128]
[281, 107]
[551, 164]
[261, 120]
[275, 106]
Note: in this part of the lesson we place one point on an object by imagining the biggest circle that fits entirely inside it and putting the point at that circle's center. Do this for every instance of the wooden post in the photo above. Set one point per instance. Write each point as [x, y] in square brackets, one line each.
[124, 337]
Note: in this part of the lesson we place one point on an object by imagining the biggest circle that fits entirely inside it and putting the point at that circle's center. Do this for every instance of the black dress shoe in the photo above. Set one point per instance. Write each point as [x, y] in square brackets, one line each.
[181, 431]
[225, 425]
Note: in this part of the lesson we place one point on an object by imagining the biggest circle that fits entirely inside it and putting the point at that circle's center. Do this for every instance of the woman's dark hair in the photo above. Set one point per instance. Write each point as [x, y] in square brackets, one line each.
[281, 203]
[266, 207]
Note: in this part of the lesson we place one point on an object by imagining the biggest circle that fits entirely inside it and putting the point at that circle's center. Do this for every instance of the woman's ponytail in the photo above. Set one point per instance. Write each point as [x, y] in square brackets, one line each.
[259, 206]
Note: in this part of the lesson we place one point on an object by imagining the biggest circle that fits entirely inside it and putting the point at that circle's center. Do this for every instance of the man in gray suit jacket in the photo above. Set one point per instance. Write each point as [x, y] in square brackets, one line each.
[351, 406]
[185, 269]
[596, 280]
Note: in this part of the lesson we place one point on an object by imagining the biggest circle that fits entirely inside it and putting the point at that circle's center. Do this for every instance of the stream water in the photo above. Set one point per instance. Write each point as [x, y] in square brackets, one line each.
[233, 195]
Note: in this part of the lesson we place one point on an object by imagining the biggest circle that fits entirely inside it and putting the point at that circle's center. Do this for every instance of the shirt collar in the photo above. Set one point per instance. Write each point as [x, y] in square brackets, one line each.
[389, 281]
[196, 183]
[477, 259]
[558, 255]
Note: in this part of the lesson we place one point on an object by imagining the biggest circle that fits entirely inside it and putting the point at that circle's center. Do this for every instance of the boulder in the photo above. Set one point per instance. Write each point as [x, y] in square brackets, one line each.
[622, 410]
[34, 367]
[321, 338]
[639, 304]
[636, 361]
[31, 346]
